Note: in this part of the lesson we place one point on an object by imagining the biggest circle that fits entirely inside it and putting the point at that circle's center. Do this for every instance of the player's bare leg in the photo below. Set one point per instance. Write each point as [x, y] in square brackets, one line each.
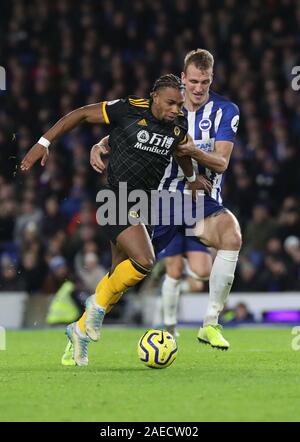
[199, 264]
[221, 231]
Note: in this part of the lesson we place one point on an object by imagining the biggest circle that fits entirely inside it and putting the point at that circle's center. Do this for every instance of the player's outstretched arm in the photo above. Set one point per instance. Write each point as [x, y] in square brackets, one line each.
[92, 113]
[97, 151]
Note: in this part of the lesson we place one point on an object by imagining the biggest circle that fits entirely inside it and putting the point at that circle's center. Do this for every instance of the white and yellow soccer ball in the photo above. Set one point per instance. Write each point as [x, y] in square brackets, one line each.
[157, 349]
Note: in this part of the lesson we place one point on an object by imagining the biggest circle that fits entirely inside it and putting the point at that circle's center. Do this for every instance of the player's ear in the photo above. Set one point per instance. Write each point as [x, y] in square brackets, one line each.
[155, 97]
[183, 77]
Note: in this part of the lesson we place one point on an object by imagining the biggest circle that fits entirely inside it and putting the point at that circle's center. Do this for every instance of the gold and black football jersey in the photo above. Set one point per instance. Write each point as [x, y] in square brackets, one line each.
[141, 145]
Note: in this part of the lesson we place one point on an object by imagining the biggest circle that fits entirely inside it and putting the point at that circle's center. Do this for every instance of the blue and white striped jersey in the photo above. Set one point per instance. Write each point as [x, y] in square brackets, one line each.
[217, 120]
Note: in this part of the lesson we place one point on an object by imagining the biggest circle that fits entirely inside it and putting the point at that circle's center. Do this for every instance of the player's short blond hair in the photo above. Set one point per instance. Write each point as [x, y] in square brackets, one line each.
[201, 58]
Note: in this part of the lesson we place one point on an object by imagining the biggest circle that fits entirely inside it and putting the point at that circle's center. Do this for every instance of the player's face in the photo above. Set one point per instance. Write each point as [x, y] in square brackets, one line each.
[197, 83]
[167, 103]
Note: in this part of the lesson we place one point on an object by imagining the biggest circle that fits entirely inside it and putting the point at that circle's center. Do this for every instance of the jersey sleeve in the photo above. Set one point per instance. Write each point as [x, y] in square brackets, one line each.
[184, 139]
[228, 124]
[114, 111]
[183, 131]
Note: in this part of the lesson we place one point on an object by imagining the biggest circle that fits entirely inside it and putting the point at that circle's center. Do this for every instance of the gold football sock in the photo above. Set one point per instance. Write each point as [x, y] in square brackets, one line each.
[110, 289]
[117, 299]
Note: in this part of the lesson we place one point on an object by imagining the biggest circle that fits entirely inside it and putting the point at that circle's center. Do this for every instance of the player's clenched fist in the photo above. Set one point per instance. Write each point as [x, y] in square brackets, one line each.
[201, 183]
[187, 149]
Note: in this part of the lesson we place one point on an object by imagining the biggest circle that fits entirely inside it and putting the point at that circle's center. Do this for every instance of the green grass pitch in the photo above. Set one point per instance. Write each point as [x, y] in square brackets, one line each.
[256, 380]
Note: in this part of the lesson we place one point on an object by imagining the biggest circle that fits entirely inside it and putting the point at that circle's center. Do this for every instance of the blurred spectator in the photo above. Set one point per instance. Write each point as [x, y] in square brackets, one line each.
[246, 277]
[292, 248]
[91, 272]
[10, 281]
[274, 277]
[85, 216]
[289, 222]
[8, 209]
[259, 229]
[53, 220]
[33, 270]
[57, 275]
[240, 314]
[31, 240]
[29, 214]
[63, 308]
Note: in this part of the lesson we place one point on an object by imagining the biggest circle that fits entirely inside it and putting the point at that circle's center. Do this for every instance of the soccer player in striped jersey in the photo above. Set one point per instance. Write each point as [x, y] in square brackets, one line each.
[212, 126]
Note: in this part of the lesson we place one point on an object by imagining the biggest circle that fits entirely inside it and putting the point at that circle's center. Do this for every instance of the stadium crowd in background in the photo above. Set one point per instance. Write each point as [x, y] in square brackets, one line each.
[60, 55]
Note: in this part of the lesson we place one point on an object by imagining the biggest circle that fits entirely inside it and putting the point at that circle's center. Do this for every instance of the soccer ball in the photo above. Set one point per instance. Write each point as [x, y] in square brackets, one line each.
[157, 349]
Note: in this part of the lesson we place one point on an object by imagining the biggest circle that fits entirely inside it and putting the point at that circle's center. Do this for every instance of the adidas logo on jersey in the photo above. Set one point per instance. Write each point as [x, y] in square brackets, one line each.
[142, 122]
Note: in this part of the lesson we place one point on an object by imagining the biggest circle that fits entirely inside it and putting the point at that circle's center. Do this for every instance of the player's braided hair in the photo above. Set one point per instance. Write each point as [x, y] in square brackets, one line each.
[168, 80]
